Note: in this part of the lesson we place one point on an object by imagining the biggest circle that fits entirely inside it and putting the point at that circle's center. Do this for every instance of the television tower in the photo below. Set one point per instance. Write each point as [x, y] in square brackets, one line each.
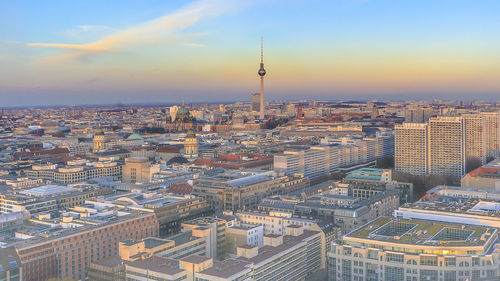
[262, 72]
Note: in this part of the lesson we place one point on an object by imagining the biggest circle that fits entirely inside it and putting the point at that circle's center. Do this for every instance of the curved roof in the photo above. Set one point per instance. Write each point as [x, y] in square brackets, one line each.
[135, 136]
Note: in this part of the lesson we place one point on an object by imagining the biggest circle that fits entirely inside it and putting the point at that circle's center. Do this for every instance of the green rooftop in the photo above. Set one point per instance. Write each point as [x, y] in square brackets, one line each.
[423, 232]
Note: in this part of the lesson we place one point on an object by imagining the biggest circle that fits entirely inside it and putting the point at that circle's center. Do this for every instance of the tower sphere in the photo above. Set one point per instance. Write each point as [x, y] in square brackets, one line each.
[262, 72]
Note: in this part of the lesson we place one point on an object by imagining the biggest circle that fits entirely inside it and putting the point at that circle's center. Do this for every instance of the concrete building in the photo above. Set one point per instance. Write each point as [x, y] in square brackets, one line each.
[475, 137]
[447, 150]
[234, 191]
[64, 247]
[170, 211]
[418, 115]
[486, 177]
[366, 182]
[456, 205]
[399, 249]
[276, 223]
[255, 102]
[316, 161]
[492, 133]
[139, 170]
[216, 233]
[75, 173]
[293, 256]
[411, 148]
[10, 265]
[345, 211]
[244, 234]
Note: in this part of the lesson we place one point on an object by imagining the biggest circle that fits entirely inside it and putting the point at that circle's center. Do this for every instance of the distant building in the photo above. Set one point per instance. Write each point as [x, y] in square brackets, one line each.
[99, 142]
[418, 115]
[244, 192]
[255, 102]
[316, 161]
[191, 145]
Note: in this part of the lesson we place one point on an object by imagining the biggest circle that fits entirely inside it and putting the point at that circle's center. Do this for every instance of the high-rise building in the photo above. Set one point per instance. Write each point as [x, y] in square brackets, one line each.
[418, 115]
[410, 148]
[492, 133]
[447, 153]
[475, 149]
[255, 102]
[262, 73]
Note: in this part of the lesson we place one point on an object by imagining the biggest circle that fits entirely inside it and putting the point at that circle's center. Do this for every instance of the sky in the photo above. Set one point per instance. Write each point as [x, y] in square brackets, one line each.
[156, 51]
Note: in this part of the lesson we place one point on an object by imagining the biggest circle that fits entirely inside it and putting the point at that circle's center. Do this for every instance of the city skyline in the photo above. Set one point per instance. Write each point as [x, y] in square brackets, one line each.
[201, 51]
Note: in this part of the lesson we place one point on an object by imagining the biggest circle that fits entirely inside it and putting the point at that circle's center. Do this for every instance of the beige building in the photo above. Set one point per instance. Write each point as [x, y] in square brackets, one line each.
[475, 135]
[99, 142]
[389, 249]
[139, 170]
[447, 150]
[244, 192]
[410, 148]
[191, 145]
[492, 133]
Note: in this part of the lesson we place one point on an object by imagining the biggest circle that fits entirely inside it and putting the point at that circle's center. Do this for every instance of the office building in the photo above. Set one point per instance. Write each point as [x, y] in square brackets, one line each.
[255, 102]
[64, 247]
[317, 161]
[399, 249]
[235, 191]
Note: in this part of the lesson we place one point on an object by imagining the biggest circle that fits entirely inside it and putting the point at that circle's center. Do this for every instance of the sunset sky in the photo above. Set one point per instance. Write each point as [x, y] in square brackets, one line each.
[95, 51]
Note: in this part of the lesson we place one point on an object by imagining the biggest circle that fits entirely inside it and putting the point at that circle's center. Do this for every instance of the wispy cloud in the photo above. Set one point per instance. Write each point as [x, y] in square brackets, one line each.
[196, 45]
[149, 32]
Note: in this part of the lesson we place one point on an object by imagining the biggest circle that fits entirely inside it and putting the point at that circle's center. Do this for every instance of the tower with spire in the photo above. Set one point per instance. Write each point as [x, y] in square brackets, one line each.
[262, 73]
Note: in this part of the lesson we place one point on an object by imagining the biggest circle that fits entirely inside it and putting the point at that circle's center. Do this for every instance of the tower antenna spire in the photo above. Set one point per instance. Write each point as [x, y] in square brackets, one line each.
[261, 49]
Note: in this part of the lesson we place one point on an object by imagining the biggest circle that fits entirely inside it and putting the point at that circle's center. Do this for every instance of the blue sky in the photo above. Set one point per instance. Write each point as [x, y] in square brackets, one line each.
[75, 52]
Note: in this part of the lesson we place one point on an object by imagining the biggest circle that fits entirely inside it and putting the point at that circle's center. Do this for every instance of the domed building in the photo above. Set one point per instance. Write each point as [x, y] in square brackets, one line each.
[190, 145]
[99, 141]
[182, 122]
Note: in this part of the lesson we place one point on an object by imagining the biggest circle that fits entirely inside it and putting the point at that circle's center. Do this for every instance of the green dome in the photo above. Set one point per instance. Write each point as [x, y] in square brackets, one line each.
[135, 137]
[183, 111]
[99, 132]
[190, 134]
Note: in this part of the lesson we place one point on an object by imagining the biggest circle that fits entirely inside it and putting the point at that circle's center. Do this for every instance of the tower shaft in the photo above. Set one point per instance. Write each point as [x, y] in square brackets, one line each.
[261, 115]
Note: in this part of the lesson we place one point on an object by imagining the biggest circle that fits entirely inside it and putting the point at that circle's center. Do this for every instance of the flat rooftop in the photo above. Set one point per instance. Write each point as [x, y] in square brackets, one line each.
[157, 264]
[423, 232]
[227, 268]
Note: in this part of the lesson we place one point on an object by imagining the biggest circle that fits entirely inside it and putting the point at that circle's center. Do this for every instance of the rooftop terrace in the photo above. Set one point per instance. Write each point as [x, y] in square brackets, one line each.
[423, 232]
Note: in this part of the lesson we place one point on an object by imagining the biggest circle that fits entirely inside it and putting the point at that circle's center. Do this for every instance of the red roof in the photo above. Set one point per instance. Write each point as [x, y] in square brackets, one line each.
[181, 188]
[169, 149]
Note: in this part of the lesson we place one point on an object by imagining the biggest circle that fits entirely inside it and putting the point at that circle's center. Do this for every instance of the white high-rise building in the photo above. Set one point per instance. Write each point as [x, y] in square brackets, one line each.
[447, 152]
[475, 149]
[410, 154]
[492, 133]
